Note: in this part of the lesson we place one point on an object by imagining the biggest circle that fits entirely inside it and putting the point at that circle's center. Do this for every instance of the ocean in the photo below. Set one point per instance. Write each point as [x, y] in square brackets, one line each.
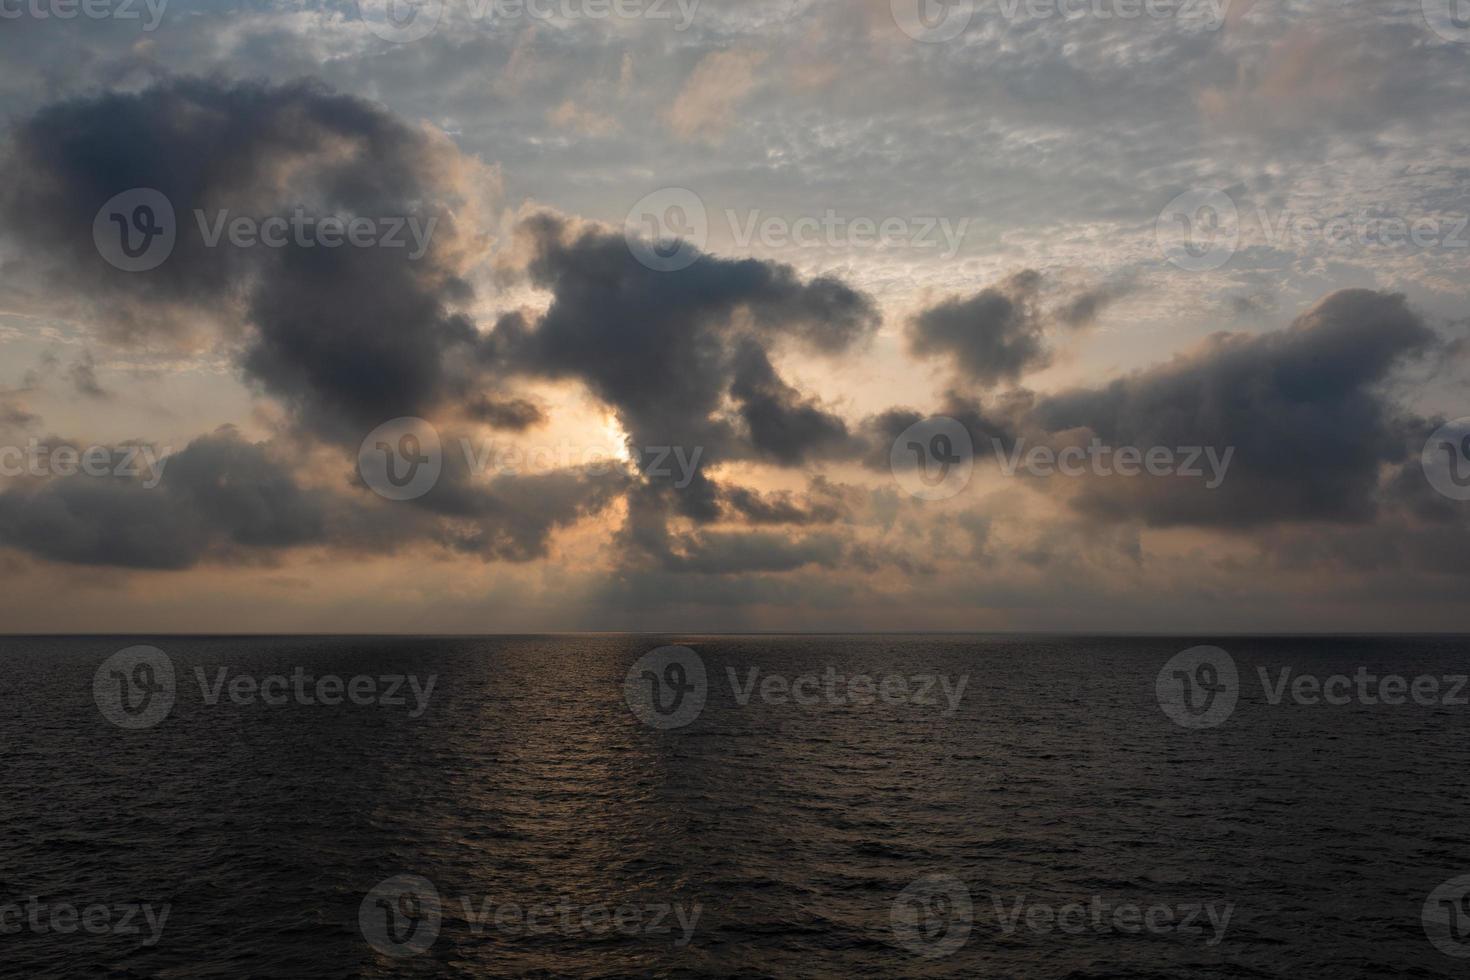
[702, 806]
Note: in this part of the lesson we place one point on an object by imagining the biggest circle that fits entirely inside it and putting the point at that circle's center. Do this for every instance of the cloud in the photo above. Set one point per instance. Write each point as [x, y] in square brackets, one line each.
[341, 341]
[219, 496]
[720, 553]
[83, 377]
[783, 425]
[822, 506]
[705, 108]
[570, 115]
[1303, 408]
[14, 414]
[1306, 79]
[683, 358]
[513, 517]
[506, 414]
[1084, 307]
[881, 431]
[994, 336]
[345, 337]
[227, 501]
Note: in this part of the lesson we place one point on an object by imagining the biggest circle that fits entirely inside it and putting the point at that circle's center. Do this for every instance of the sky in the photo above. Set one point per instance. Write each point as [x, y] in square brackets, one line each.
[480, 316]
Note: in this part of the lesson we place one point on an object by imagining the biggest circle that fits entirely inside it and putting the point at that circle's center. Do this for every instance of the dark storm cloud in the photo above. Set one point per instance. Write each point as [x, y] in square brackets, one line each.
[668, 351]
[649, 542]
[683, 358]
[514, 517]
[346, 337]
[1409, 491]
[719, 553]
[1000, 334]
[783, 507]
[994, 336]
[495, 501]
[1303, 408]
[345, 355]
[89, 521]
[783, 426]
[881, 431]
[220, 494]
[238, 490]
[226, 500]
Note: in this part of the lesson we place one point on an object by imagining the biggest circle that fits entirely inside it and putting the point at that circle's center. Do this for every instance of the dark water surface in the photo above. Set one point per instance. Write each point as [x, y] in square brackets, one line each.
[793, 829]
